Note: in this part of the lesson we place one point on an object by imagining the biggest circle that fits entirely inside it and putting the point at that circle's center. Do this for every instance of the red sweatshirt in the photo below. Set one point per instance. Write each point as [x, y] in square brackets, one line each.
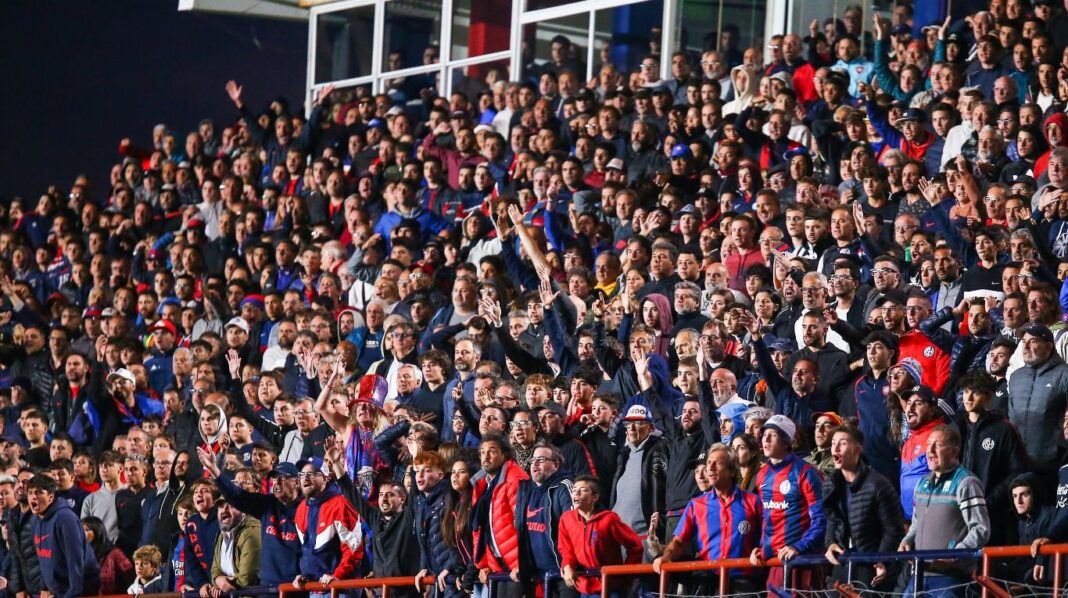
[596, 543]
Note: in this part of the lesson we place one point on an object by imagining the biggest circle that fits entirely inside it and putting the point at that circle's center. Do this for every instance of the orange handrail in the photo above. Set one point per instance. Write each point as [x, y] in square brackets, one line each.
[160, 595]
[1057, 551]
[723, 565]
[355, 584]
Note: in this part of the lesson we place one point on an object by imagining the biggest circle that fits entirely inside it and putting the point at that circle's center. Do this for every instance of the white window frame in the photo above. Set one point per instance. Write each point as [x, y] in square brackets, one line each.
[522, 17]
[446, 66]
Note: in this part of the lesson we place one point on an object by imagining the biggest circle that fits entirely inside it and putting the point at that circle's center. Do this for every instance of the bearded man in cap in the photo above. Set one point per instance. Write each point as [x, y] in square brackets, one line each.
[1038, 398]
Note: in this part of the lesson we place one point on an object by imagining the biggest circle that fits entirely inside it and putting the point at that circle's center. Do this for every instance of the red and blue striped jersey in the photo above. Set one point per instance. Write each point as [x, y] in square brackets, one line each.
[724, 529]
[791, 494]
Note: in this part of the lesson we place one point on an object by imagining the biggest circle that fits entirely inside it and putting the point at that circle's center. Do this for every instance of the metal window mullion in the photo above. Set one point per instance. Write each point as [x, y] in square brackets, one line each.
[589, 43]
[519, 7]
[667, 37]
[313, 21]
[376, 49]
[445, 44]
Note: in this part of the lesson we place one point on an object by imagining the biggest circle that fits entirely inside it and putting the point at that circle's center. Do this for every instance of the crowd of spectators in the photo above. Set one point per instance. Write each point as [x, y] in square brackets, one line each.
[802, 298]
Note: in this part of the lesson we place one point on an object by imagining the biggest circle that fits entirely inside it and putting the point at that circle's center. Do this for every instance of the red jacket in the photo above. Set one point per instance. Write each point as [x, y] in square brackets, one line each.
[934, 361]
[502, 532]
[596, 543]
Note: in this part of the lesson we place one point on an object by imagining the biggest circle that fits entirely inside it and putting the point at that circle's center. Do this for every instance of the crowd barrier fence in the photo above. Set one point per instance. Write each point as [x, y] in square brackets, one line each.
[991, 587]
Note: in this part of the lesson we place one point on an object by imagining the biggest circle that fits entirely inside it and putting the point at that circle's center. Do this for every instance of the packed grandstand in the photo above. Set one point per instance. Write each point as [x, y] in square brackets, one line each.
[799, 304]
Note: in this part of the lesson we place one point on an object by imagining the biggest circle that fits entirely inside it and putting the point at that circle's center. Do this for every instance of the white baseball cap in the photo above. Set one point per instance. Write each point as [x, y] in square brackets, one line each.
[637, 413]
[783, 424]
[123, 373]
[239, 322]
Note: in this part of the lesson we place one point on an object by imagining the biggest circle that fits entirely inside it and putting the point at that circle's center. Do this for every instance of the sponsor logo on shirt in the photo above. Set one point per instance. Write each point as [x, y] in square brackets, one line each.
[776, 505]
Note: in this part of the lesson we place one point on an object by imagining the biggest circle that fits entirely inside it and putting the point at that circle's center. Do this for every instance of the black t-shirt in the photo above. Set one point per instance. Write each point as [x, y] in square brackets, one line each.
[38, 457]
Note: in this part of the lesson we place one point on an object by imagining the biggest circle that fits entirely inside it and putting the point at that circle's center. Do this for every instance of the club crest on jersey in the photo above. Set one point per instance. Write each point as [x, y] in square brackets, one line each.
[743, 527]
[988, 444]
[928, 351]
[784, 487]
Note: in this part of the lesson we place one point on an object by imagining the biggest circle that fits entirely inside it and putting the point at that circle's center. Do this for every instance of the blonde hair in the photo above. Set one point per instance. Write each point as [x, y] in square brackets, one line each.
[732, 459]
[149, 554]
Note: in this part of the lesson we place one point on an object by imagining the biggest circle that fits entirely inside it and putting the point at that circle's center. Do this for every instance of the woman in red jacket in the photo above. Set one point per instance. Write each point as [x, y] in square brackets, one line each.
[593, 537]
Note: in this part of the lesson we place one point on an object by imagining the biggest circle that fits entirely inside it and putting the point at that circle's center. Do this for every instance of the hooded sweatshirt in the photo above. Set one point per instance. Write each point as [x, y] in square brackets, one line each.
[598, 542]
[212, 443]
[200, 536]
[736, 413]
[68, 565]
[666, 323]
[745, 81]
[1042, 163]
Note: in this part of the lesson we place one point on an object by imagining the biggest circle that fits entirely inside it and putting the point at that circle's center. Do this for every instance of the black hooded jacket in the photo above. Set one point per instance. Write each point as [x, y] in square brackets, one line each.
[991, 449]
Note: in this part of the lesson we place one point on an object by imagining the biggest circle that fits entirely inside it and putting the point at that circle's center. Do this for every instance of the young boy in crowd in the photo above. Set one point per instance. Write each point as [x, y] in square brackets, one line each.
[147, 565]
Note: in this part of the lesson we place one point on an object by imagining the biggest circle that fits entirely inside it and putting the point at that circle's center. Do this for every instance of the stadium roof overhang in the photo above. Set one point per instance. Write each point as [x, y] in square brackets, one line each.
[293, 10]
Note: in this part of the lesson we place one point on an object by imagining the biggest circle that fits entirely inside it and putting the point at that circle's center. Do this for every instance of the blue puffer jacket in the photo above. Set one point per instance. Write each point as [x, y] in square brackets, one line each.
[68, 565]
[435, 555]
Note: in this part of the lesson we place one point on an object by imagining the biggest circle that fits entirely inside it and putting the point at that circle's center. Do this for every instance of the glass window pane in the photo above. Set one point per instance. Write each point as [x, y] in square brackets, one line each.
[626, 34]
[540, 4]
[412, 35]
[741, 23]
[557, 45]
[341, 51]
[474, 79]
[481, 27]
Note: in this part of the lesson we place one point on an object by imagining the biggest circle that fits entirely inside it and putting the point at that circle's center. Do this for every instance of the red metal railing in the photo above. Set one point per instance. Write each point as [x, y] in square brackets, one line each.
[385, 583]
[990, 586]
[1057, 551]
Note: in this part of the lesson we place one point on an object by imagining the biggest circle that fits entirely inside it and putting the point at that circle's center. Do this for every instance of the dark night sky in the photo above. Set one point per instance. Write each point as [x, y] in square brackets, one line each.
[77, 76]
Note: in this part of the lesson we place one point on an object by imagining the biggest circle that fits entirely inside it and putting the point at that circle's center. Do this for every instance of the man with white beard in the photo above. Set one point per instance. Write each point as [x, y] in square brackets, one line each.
[991, 158]
[725, 389]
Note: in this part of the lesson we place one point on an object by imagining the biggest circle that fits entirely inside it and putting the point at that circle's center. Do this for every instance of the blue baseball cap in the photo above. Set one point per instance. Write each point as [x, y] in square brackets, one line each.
[316, 462]
[681, 150]
[284, 470]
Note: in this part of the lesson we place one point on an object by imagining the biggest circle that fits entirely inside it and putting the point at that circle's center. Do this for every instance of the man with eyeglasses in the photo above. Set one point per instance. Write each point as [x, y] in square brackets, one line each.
[552, 421]
[402, 350]
[328, 528]
[541, 502]
[281, 548]
[714, 68]
[844, 283]
[814, 287]
[642, 464]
